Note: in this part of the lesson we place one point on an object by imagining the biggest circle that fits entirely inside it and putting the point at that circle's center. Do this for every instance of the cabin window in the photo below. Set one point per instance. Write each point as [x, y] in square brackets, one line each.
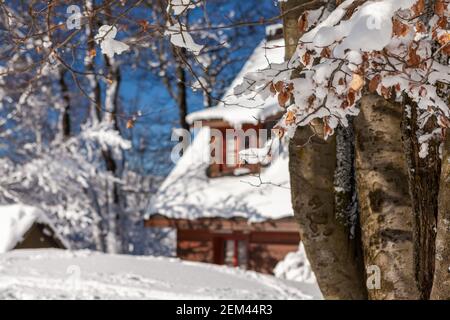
[231, 151]
[228, 162]
[236, 253]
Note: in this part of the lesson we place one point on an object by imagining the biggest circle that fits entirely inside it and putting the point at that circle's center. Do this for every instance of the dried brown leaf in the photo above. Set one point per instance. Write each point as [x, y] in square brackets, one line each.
[374, 82]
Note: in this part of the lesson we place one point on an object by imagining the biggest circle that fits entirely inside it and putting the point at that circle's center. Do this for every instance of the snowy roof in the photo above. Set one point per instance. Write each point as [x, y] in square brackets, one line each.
[15, 221]
[274, 29]
[187, 193]
[55, 274]
[240, 109]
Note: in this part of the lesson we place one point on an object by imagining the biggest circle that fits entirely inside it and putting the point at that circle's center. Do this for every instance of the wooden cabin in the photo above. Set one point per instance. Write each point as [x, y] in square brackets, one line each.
[233, 242]
[25, 227]
[226, 215]
[40, 235]
[225, 211]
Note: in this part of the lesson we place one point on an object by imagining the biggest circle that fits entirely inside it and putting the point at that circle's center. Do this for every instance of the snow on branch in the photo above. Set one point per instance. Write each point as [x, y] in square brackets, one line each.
[181, 6]
[180, 37]
[106, 38]
[391, 47]
[178, 32]
[105, 136]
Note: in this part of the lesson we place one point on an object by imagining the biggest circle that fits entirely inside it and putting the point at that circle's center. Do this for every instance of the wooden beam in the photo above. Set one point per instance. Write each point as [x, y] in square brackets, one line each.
[261, 237]
[275, 237]
[222, 224]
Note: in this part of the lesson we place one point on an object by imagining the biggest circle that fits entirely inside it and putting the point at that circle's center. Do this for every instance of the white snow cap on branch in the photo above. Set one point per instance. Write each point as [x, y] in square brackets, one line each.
[106, 136]
[180, 37]
[105, 37]
[370, 28]
[180, 6]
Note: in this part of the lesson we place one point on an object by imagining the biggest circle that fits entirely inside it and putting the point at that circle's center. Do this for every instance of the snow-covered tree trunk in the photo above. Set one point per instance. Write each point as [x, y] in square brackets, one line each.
[441, 286]
[112, 164]
[113, 156]
[94, 85]
[94, 95]
[385, 203]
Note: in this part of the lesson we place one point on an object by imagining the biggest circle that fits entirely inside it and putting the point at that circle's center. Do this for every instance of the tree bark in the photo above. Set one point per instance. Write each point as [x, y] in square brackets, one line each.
[333, 255]
[441, 286]
[424, 188]
[346, 201]
[181, 98]
[385, 203]
[441, 283]
[290, 25]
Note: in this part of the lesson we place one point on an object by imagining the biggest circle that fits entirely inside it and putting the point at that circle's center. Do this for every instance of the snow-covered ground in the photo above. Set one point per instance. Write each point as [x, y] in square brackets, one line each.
[60, 274]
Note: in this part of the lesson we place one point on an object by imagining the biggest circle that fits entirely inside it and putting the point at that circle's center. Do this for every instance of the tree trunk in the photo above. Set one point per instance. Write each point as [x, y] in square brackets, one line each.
[441, 286]
[65, 116]
[333, 255]
[385, 204]
[94, 116]
[424, 189]
[346, 200]
[181, 98]
[95, 111]
[112, 164]
[290, 25]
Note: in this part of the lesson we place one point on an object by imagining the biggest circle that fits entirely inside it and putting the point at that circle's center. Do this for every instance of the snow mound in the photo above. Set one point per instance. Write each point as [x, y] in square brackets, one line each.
[63, 274]
[296, 267]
